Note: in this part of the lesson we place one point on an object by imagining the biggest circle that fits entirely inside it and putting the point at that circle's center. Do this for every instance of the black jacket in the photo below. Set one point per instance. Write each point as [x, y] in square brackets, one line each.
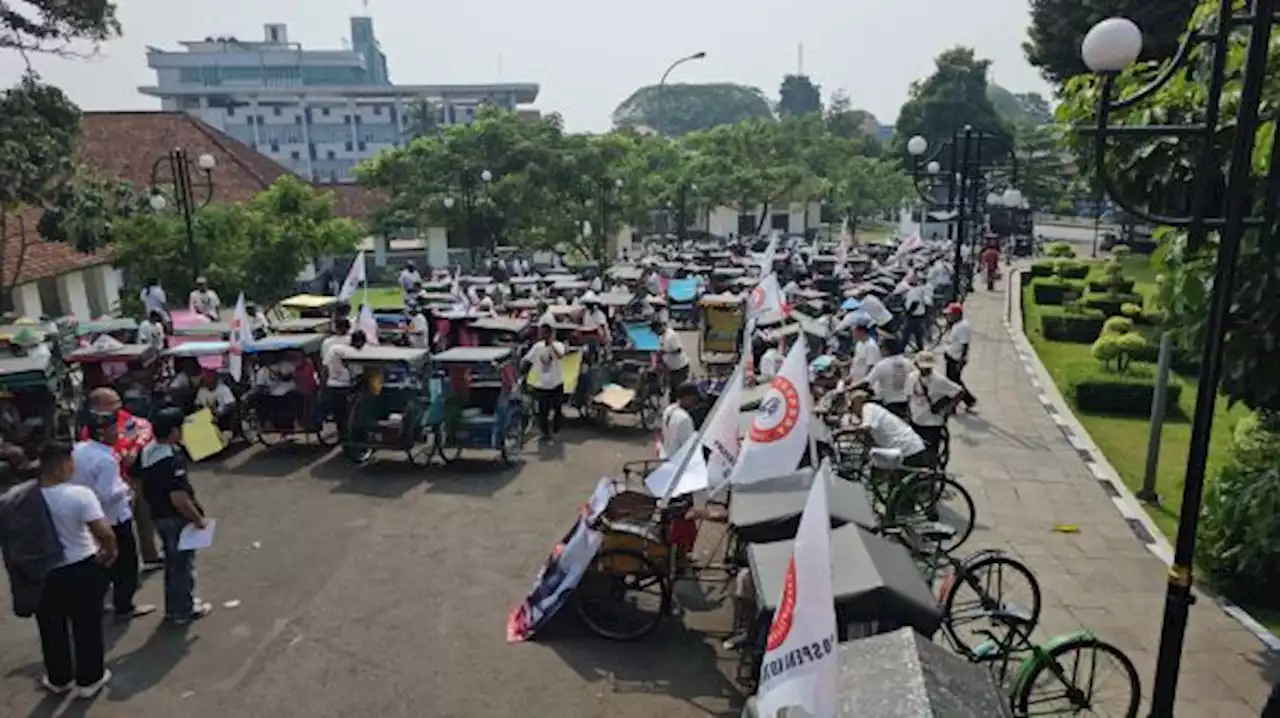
[28, 543]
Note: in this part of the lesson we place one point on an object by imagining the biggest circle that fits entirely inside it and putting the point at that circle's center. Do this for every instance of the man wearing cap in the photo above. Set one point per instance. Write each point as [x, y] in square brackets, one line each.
[673, 355]
[677, 422]
[163, 469]
[959, 338]
[866, 352]
[887, 431]
[888, 379]
[204, 301]
[97, 468]
[595, 325]
[933, 398]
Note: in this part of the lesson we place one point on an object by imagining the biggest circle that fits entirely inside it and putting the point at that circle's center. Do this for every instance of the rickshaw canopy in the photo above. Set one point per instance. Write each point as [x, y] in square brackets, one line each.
[308, 343]
[409, 356]
[616, 298]
[721, 301]
[199, 349]
[299, 326]
[626, 273]
[107, 325]
[309, 301]
[473, 355]
[500, 325]
[125, 353]
[208, 329]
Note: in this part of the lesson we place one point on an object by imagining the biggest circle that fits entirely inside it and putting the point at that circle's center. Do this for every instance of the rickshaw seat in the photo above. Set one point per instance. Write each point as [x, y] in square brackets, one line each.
[886, 458]
[934, 531]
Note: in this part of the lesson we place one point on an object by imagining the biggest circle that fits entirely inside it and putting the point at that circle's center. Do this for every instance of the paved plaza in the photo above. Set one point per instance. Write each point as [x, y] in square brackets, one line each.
[384, 591]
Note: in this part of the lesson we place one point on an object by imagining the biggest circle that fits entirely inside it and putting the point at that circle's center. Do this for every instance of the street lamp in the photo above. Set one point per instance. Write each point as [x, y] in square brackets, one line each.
[448, 203]
[933, 168]
[188, 190]
[1110, 47]
[663, 83]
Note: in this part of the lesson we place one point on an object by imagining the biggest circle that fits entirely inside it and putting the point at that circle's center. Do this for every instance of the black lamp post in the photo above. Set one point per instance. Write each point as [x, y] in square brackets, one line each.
[1110, 47]
[175, 180]
[662, 84]
[472, 194]
[968, 171]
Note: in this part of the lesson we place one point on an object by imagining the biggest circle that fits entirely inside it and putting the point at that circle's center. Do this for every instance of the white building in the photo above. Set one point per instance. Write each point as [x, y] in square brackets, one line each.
[317, 112]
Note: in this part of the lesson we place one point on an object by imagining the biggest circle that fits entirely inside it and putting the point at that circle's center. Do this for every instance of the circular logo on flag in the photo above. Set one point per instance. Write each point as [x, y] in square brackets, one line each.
[785, 616]
[778, 413]
[757, 298]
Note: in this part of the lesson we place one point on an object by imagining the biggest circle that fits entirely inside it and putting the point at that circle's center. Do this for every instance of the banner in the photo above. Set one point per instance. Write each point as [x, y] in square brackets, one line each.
[693, 478]
[562, 571]
[240, 335]
[779, 431]
[355, 278]
[723, 435]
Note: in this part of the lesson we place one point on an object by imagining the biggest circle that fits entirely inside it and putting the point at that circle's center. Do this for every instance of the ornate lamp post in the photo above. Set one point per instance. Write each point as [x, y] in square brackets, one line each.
[1243, 202]
[173, 181]
[471, 199]
[662, 84]
[968, 172]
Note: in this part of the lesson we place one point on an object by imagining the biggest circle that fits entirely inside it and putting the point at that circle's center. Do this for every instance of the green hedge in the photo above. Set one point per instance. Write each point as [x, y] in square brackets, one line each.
[1079, 327]
[1052, 291]
[1043, 268]
[1103, 285]
[1073, 270]
[1098, 391]
[1109, 304]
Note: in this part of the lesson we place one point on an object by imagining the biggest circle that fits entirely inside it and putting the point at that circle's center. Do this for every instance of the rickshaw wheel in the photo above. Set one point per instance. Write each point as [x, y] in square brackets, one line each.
[513, 438]
[276, 437]
[597, 413]
[424, 448]
[451, 453]
[249, 430]
[327, 434]
[601, 598]
[650, 411]
[357, 456]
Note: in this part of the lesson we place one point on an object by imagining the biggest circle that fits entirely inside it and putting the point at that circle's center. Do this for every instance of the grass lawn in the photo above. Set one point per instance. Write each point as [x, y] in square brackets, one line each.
[379, 296]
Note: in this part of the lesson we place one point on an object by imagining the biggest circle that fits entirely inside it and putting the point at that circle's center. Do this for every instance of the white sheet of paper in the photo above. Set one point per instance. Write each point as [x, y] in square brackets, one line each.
[194, 539]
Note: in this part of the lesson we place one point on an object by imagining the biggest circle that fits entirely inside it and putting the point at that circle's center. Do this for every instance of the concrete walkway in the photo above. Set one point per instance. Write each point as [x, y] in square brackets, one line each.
[1025, 477]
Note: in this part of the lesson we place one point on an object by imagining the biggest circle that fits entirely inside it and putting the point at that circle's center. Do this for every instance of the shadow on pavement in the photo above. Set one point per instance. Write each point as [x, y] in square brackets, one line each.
[977, 424]
[389, 475]
[276, 461]
[146, 667]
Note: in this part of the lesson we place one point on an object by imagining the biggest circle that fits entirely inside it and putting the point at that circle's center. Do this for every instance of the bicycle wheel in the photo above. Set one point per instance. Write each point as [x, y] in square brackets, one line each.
[622, 596]
[933, 496]
[1064, 680]
[978, 588]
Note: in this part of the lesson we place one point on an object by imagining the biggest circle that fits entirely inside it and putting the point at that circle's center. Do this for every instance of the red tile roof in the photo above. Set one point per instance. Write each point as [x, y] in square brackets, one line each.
[125, 146]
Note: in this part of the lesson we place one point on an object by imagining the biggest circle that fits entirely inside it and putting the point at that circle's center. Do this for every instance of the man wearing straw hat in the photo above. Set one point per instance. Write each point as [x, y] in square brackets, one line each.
[932, 398]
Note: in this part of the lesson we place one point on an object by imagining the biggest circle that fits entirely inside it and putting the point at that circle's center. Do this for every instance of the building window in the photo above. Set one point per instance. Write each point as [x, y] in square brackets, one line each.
[348, 145]
[346, 119]
[275, 146]
[249, 120]
[362, 147]
[330, 154]
[295, 156]
[231, 111]
[260, 120]
[275, 111]
[324, 111]
[297, 120]
[377, 109]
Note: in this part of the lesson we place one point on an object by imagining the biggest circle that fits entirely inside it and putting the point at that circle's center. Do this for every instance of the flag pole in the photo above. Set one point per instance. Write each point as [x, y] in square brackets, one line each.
[697, 446]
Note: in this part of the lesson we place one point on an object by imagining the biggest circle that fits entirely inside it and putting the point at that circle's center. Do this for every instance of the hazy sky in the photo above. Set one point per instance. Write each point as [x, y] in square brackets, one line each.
[587, 55]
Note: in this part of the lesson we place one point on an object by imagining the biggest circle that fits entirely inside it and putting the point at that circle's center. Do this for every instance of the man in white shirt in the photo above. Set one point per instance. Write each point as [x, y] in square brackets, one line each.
[933, 398]
[98, 468]
[154, 299]
[887, 431]
[69, 615]
[874, 308]
[866, 352]
[217, 397]
[770, 363]
[959, 338]
[673, 355]
[919, 297]
[409, 280]
[888, 379]
[677, 423]
[595, 323]
[204, 301]
[338, 376]
[548, 379]
[151, 330]
[419, 329]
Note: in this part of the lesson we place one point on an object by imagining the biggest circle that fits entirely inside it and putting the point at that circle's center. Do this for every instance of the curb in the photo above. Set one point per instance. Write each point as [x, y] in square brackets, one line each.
[1128, 505]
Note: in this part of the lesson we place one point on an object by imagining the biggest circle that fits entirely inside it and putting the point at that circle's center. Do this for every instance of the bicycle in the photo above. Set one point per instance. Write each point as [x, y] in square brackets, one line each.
[1045, 662]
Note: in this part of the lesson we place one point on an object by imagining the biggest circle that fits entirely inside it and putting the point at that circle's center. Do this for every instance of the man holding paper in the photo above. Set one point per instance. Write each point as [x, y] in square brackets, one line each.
[167, 488]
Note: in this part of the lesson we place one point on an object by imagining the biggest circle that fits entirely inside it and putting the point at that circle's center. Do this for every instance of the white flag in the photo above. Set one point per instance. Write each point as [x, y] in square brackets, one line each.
[693, 478]
[765, 300]
[800, 665]
[721, 436]
[367, 324]
[355, 278]
[779, 433]
[240, 335]
[766, 259]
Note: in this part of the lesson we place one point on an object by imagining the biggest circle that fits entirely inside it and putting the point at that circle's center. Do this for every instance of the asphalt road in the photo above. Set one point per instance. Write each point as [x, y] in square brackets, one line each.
[384, 591]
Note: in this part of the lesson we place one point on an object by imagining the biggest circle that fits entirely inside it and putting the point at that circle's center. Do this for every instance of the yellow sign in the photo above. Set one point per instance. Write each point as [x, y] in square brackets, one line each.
[571, 367]
[201, 435]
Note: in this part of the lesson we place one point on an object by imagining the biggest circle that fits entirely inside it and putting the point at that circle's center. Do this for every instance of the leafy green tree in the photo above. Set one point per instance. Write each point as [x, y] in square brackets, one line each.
[1046, 167]
[303, 215]
[754, 164]
[1029, 108]
[423, 119]
[1058, 27]
[679, 109]
[54, 26]
[955, 95]
[84, 210]
[798, 96]
[866, 187]
[1151, 173]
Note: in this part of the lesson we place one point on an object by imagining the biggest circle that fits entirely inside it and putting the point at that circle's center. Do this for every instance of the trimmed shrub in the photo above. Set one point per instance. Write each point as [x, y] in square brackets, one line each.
[1043, 268]
[1109, 304]
[1071, 269]
[1117, 325]
[1052, 291]
[1124, 394]
[1132, 311]
[1240, 528]
[1151, 317]
[1081, 327]
[1104, 285]
[1121, 251]
[1060, 249]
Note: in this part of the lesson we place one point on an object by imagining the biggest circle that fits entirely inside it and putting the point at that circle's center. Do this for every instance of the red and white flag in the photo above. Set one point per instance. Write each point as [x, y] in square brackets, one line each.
[356, 278]
[801, 666]
[766, 299]
[721, 437]
[240, 335]
[779, 433]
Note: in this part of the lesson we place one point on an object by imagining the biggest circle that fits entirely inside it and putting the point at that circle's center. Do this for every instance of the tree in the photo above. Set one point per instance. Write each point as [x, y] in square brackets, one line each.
[1058, 27]
[680, 109]
[1022, 108]
[1046, 168]
[955, 95]
[53, 26]
[865, 187]
[423, 119]
[845, 122]
[799, 96]
[304, 218]
[1156, 173]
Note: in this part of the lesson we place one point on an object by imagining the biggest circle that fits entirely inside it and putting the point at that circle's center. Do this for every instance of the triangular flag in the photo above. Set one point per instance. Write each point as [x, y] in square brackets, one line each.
[355, 278]
[800, 665]
[779, 432]
[240, 335]
[367, 324]
[693, 478]
[766, 299]
[721, 437]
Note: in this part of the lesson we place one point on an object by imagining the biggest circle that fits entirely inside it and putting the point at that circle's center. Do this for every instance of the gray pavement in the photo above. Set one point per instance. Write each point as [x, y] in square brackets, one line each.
[1026, 477]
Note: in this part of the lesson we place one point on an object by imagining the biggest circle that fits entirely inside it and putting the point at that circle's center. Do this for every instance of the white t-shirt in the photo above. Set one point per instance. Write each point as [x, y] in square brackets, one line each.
[215, 399]
[418, 331]
[890, 432]
[888, 379]
[918, 299]
[339, 372]
[546, 361]
[770, 363]
[924, 392]
[204, 302]
[593, 318]
[408, 278]
[72, 507]
[677, 428]
[958, 339]
[153, 299]
[865, 355]
[673, 351]
[875, 309]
